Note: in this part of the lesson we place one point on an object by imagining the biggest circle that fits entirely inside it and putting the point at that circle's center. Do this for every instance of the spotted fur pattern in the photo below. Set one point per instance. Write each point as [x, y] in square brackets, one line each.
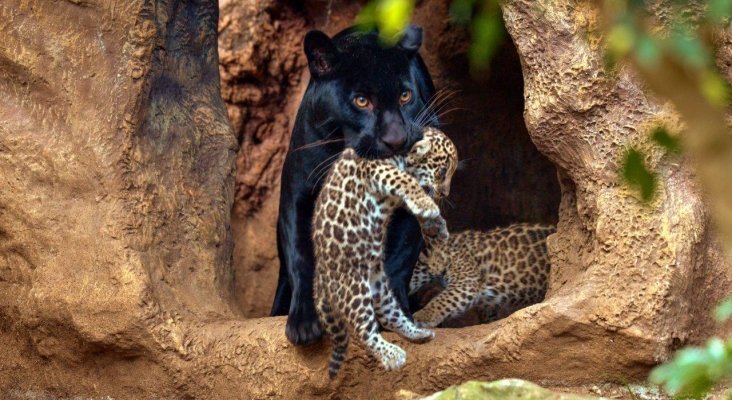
[352, 293]
[499, 272]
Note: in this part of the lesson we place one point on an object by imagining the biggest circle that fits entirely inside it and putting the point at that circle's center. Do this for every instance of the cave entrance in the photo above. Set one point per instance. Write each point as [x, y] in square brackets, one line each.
[505, 179]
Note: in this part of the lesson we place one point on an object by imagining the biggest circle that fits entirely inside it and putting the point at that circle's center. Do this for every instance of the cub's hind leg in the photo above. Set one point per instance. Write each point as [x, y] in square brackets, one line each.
[390, 315]
[360, 314]
[460, 294]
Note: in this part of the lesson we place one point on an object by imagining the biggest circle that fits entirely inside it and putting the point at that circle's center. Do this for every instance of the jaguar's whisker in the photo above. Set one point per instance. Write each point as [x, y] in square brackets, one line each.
[318, 143]
[321, 164]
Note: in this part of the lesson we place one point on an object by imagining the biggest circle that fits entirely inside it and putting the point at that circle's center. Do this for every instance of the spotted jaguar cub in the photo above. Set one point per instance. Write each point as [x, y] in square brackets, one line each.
[499, 272]
[351, 215]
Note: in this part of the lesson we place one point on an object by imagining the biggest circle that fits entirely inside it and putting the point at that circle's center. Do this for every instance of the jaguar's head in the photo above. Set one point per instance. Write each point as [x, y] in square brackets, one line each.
[372, 94]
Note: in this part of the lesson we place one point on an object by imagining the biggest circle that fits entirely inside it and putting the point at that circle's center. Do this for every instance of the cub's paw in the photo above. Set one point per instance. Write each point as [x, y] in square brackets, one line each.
[435, 228]
[423, 320]
[392, 356]
[422, 335]
[424, 208]
[303, 327]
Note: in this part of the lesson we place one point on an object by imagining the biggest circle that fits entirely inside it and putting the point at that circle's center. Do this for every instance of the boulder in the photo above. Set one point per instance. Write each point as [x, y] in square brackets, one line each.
[502, 389]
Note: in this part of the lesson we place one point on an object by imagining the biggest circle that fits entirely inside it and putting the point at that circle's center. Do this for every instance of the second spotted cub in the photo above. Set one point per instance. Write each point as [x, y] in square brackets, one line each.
[497, 272]
[352, 293]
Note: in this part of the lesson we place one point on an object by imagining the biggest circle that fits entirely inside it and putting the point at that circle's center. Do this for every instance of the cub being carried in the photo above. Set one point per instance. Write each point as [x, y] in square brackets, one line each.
[352, 212]
[499, 272]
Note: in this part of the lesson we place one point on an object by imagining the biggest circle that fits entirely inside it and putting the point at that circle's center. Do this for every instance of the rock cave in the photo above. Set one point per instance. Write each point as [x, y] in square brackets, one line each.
[140, 150]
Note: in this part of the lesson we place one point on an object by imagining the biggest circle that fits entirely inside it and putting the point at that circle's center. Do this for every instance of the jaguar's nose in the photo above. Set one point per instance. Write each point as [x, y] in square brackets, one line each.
[394, 141]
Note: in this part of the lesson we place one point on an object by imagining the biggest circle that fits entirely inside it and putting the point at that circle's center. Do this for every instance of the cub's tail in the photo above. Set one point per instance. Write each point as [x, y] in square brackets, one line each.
[338, 355]
[335, 328]
[339, 341]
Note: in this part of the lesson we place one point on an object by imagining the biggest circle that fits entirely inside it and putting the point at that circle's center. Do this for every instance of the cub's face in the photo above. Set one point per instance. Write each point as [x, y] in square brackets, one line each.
[370, 94]
[433, 161]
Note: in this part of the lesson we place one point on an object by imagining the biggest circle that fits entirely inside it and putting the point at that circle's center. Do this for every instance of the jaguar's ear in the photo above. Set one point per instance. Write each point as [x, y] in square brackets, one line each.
[323, 56]
[419, 150]
[411, 40]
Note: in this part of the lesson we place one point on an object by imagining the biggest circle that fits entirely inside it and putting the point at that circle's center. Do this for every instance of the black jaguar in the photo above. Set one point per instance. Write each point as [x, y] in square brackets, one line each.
[365, 95]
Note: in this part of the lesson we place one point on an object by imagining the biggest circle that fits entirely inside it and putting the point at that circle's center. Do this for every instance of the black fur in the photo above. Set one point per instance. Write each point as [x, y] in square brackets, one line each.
[352, 63]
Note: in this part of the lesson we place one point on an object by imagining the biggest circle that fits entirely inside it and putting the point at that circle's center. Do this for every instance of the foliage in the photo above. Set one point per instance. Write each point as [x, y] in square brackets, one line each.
[695, 370]
[683, 33]
[673, 50]
[679, 38]
[483, 17]
[724, 311]
[634, 170]
[636, 174]
[391, 17]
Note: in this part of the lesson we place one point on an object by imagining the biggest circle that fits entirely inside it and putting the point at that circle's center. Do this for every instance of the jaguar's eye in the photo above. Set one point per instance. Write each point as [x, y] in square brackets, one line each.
[405, 97]
[361, 102]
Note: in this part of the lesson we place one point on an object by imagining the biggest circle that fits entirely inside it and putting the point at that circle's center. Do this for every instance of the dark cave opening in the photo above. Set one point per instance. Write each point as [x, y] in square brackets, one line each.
[505, 178]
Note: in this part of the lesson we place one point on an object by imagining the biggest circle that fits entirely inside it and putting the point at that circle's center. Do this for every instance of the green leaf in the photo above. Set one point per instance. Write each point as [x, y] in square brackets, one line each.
[393, 17]
[620, 41]
[685, 374]
[714, 88]
[719, 10]
[636, 174]
[366, 19]
[690, 49]
[694, 370]
[661, 136]
[487, 36]
[723, 311]
[716, 349]
[647, 51]
[461, 11]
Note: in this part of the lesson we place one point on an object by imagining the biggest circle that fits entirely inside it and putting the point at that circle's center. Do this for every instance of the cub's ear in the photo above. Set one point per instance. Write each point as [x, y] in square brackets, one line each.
[349, 154]
[323, 57]
[412, 39]
[419, 150]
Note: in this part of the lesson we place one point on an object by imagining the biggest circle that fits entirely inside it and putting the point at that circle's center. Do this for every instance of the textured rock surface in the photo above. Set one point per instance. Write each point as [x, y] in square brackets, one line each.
[503, 389]
[261, 66]
[116, 162]
[117, 170]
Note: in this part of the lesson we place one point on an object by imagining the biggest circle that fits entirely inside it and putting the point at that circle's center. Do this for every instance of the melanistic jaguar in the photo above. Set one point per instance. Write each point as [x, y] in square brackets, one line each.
[363, 95]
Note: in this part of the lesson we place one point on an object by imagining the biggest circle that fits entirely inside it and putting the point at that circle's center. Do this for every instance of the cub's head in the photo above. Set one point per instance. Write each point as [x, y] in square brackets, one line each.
[433, 160]
[372, 94]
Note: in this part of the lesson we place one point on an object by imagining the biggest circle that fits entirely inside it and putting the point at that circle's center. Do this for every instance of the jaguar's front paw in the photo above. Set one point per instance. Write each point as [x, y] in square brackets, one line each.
[303, 327]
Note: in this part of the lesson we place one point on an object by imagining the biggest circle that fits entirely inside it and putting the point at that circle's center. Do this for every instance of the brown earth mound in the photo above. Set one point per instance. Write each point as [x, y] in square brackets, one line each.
[117, 163]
